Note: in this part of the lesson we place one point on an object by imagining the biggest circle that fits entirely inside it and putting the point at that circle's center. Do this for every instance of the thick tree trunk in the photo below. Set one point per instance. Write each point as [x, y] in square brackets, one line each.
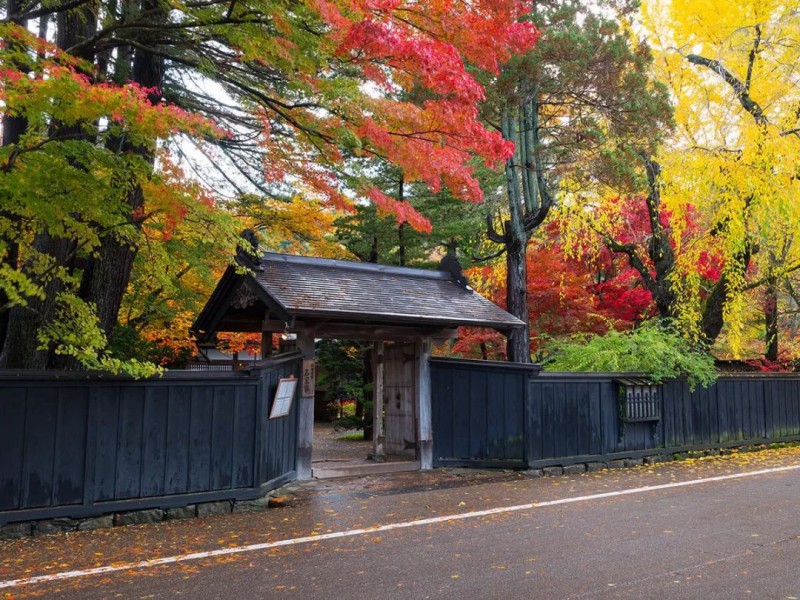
[107, 273]
[713, 319]
[20, 346]
[518, 347]
[13, 128]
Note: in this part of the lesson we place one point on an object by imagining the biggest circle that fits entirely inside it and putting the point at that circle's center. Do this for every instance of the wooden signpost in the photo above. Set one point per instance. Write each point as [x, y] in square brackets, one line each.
[308, 378]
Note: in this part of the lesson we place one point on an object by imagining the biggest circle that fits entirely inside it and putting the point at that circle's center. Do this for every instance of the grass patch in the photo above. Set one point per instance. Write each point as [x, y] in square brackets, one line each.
[352, 437]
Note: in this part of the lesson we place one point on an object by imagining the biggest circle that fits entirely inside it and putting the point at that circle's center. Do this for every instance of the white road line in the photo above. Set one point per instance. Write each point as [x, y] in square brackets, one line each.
[167, 560]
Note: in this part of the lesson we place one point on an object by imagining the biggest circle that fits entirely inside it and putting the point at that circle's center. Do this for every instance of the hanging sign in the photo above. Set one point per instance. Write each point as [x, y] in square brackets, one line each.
[309, 378]
[282, 404]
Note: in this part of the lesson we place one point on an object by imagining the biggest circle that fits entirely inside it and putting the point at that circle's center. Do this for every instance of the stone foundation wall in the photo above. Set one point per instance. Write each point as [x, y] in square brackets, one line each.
[137, 517]
[574, 469]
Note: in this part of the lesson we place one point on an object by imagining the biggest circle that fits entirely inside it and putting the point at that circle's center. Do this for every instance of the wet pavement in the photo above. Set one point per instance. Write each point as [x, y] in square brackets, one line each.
[721, 539]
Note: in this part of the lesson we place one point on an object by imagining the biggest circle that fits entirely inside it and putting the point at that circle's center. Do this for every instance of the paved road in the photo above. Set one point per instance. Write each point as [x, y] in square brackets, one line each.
[725, 538]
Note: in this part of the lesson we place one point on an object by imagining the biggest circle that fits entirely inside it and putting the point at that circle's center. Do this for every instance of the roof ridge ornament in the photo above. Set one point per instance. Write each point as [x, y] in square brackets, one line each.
[247, 252]
[449, 264]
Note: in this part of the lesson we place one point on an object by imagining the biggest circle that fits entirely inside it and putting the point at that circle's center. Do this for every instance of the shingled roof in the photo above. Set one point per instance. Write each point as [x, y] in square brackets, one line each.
[305, 288]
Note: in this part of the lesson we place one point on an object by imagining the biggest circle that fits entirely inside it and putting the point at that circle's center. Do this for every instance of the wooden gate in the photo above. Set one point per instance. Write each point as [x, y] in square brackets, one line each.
[399, 401]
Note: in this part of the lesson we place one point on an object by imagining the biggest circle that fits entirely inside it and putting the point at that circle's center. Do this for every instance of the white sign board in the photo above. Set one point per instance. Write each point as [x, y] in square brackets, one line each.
[284, 395]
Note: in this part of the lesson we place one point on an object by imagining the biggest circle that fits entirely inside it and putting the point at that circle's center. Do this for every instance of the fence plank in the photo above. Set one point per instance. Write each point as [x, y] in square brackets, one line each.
[154, 440]
[443, 413]
[129, 443]
[178, 427]
[244, 469]
[200, 427]
[549, 434]
[70, 447]
[222, 438]
[534, 448]
[461, 413]
[478, 414]
[609, 418]
[12, 445]
[41, 425]
[105, 449]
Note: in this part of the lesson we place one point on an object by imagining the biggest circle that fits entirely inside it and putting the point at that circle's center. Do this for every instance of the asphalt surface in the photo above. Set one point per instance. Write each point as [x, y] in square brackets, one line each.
[735, 538]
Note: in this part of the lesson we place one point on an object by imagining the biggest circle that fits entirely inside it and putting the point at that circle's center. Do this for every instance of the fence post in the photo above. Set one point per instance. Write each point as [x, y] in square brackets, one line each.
[262, 414]
[378, 430]
[423, 398]
[305, 413]
[527, 416]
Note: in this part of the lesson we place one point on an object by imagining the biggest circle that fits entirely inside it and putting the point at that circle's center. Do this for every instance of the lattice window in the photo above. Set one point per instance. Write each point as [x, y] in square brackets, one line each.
[640, 400]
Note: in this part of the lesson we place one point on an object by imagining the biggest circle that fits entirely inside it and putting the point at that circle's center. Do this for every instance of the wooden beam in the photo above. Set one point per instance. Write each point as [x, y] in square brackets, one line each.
[357, 331]
[266, 344]
[422, 394]
[266, 337]
[305, 414]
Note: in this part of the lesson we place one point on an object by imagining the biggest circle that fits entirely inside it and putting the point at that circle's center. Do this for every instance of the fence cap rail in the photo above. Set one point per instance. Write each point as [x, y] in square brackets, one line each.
[20, 375]
[44, 375]
[532, 368]
[723, 376]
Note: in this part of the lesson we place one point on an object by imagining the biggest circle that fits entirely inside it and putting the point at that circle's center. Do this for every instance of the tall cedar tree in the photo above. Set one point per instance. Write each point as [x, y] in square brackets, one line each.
[576, 107]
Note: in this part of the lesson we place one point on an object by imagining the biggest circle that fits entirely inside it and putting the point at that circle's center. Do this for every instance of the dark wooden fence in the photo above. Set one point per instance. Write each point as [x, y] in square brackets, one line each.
[482, 410]
[478, 412]
[81, 445]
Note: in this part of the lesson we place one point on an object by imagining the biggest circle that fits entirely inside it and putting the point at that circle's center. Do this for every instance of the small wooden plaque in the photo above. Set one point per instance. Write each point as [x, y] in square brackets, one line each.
[309, 378]
[282, 404]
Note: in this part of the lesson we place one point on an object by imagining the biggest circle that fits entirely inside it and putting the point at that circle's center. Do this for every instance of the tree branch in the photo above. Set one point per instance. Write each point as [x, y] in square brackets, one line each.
[752, 58]
[492, 233]
[740, 89]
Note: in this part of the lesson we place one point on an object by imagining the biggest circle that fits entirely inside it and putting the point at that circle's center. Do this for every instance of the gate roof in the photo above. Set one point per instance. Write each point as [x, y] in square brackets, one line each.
[335, 297]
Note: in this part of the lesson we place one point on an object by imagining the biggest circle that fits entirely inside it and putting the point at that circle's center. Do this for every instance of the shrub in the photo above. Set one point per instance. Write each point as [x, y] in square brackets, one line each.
[653, 349]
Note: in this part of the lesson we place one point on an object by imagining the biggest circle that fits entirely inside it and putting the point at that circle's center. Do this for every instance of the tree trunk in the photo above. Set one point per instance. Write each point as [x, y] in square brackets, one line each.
[20, 350]
[20, 346]
[107, 273]
[518, 347]
[13, 128]
[771, 321]
[401, 229]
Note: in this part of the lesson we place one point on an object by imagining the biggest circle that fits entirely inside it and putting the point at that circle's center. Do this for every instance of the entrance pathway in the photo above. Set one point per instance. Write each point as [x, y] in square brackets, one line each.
[336, 457]
[329, 447]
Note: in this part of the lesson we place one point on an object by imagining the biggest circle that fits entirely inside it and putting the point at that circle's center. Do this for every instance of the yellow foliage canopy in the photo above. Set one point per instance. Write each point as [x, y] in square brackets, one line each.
[732, 68]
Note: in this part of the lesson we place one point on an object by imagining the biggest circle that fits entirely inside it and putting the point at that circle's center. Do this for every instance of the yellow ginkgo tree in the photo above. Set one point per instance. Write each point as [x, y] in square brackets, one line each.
[733, 71]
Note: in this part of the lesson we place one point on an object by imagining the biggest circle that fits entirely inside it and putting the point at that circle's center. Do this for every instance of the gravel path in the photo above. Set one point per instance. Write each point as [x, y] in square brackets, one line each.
[328, 447]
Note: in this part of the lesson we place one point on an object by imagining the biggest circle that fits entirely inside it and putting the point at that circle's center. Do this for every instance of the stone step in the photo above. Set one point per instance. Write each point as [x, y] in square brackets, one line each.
[330, 471]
